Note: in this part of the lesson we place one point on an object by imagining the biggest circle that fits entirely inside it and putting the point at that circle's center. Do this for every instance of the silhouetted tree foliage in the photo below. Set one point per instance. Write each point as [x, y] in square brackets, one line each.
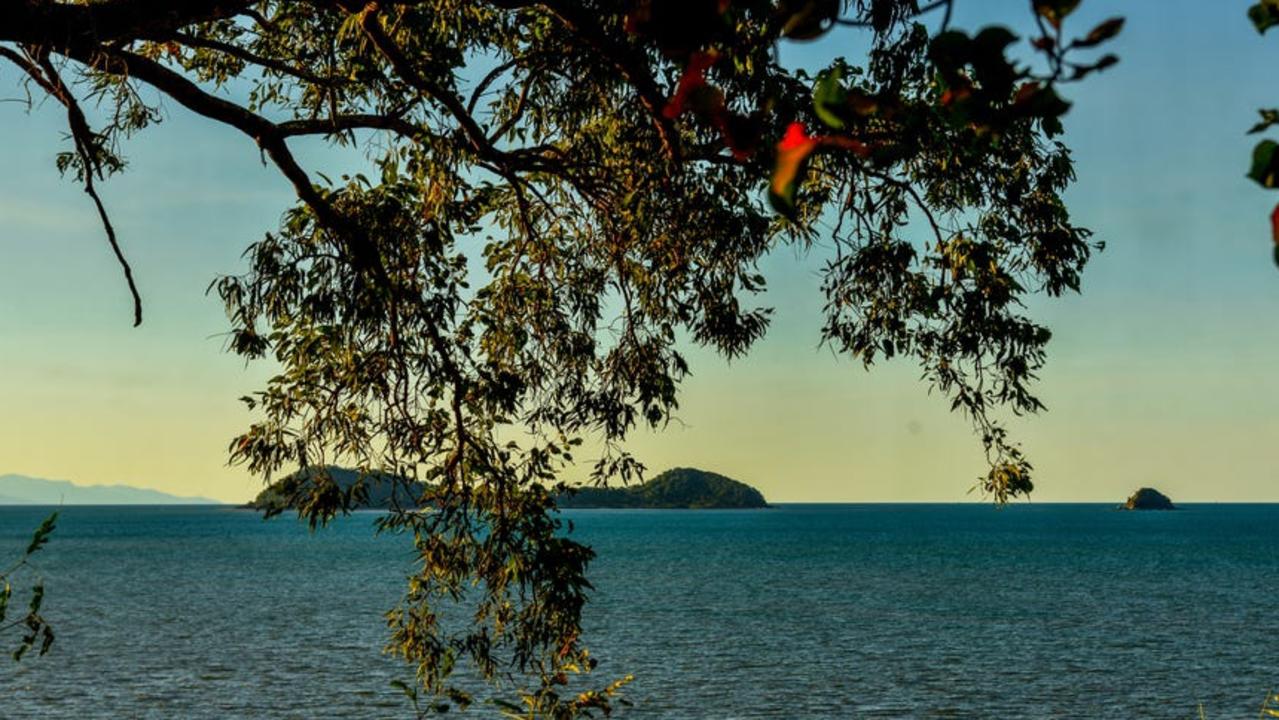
[561, 193]
[33, 630]
[1265, 160]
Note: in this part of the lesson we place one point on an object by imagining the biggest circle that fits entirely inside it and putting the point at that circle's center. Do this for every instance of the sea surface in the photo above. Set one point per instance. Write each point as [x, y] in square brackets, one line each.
[798, 611]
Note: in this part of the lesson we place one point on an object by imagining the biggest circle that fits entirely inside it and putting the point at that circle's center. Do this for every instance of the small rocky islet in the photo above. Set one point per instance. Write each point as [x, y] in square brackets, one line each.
[1148, 499]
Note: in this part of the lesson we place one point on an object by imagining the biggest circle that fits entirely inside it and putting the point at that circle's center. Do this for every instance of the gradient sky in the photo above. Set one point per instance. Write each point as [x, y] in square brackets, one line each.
[1163, 372]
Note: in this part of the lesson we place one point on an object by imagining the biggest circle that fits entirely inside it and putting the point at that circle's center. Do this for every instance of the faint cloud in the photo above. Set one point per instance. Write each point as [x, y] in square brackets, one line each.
[22, 217]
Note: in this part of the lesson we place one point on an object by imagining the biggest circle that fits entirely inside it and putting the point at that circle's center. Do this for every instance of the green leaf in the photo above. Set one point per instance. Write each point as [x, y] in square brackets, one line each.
[1043, 103]
[1264, 15]
[1054, 11]
[808, 19]
[1274, 234]
[403, 687]
[506, 705]
[41, 535]
[992, 69]
[829, 96]
[994, 39]
[1263, 170]
[47, 641]
[1268, 117]
[949, 51]
[37, 599]
[1101, 33]
[1082, 71]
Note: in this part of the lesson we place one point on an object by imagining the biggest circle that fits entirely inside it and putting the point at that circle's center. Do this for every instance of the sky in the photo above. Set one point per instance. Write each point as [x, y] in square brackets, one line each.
[1162, 372]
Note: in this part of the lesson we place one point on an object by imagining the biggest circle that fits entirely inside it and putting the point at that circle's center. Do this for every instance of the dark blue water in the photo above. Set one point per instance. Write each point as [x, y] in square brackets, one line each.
[825, 611]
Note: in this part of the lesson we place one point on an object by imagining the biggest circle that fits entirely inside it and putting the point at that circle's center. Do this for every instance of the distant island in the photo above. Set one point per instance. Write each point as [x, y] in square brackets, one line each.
[23, 490]
[675, 488]
[381, 490]
[1148, 499]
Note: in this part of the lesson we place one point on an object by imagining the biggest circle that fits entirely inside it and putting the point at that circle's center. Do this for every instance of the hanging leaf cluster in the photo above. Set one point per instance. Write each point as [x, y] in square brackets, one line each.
[33, 629]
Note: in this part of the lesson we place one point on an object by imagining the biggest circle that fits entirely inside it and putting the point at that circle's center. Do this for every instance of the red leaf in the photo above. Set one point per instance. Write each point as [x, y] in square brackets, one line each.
[796, 138]
[694, 77]
[792, 151]
[1025, 93]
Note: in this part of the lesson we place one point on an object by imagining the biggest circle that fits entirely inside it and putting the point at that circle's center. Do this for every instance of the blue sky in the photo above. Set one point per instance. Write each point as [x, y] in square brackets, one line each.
[1161, 372]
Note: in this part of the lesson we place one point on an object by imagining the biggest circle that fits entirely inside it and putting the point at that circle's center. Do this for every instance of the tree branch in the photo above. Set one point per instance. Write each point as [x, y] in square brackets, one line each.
[632, 68]
[267, 134]
[252, 58]
[371, 23]
[82, 136]
[341, 123]
[60, 25]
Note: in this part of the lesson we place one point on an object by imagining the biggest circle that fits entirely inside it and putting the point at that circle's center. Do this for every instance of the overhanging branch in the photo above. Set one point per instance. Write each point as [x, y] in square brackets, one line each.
[62, 25]
[269, 137]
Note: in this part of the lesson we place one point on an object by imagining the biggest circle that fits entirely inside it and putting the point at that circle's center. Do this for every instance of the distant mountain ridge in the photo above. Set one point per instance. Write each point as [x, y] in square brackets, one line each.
[24, 490]
[676, 488]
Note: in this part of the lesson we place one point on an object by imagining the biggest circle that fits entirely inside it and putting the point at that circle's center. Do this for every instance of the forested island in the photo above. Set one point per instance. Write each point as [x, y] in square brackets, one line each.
[379, 490]
[676, 488]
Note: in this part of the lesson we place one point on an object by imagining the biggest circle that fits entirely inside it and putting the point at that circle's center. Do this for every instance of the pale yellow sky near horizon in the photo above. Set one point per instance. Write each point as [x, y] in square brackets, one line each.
[1162, 373]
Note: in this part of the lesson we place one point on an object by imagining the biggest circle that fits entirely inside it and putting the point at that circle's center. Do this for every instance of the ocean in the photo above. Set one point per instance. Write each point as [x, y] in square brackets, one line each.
[797, 611]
